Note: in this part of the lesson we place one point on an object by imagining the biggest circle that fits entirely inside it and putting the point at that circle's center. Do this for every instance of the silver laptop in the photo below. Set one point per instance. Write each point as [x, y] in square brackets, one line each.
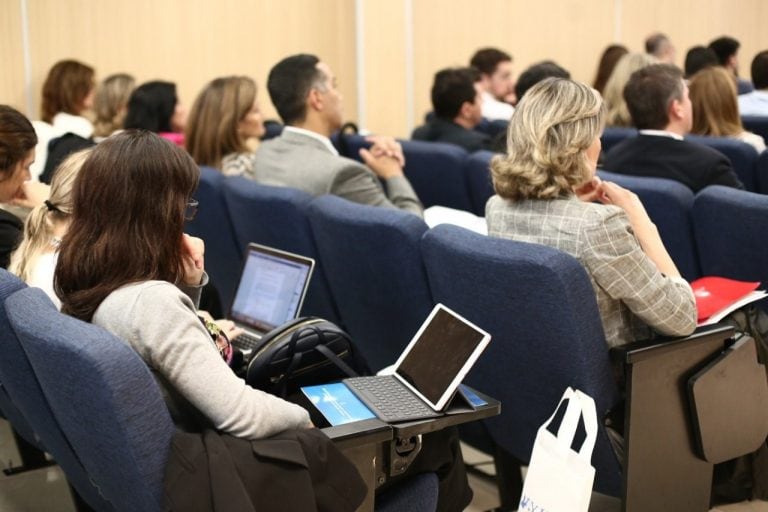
[428, 372]
[271, 290]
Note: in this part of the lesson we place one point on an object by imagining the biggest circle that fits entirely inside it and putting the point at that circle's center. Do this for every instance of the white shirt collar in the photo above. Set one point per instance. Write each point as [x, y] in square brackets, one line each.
[325, 140]
[662, 133]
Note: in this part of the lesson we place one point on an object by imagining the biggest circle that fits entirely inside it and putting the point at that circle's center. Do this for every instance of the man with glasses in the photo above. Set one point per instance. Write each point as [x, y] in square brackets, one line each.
[304, 92]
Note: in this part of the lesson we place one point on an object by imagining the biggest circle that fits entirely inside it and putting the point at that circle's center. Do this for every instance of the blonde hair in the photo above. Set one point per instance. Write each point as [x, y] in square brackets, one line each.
[715, 108]
[39, 225]
[617, 113]
[553, 125]
[212, 128]
[110, 103]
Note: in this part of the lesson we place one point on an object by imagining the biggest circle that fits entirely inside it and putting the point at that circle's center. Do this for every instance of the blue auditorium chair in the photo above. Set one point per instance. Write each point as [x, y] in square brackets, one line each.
[104, 399]
[756, 124]
[492, 127]
[669, 206]
[417, 494]
[33, 406]
[373, 262]
[540, 309]
[731, 227]
[478, 173]
[277, 217]
[761, 171]
[612, 135]
[272, 129]
[223, 256]
[743, 157]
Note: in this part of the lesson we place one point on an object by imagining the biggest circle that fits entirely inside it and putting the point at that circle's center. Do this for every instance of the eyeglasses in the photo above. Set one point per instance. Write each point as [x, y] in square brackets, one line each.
[191, 210]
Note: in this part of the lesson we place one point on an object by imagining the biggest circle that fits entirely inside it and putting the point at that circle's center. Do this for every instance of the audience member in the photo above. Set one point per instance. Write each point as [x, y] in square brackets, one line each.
[608, 61]
[715, 109]
[456, 103]
[131, 270]
[755, 103]
[154, 106]
[17, 152]
[545, 188]
[304, 92]
[536, 73]
[617, 113]
[727, 51]
[111, 104]
[68, 92]
[660, 47]
[657, 97]
[35, 259]
[698, 58]
[497, 82]
[225, 124]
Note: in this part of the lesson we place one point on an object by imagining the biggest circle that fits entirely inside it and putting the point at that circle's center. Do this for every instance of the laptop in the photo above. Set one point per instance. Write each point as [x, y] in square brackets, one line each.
[271, 290]
[428, 372]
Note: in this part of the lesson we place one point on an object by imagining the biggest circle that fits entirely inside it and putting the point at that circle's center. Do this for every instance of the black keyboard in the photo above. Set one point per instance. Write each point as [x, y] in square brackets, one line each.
[389, 399]
[246, 342]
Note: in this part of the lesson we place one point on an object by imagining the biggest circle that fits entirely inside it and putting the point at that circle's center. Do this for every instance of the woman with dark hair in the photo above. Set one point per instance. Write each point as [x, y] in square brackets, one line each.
[133, 271]
[154, 106]
[225, 125]
[17, 153]
[608, 61]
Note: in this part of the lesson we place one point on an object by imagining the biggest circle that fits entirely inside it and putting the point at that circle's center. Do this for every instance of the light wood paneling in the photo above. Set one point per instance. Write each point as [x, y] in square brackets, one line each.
[191, 42]
[12, 91]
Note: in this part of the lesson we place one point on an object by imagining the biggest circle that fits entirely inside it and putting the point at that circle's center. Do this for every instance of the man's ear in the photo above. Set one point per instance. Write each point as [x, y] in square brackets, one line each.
[675, 110]
[315, 100]
[465, 110]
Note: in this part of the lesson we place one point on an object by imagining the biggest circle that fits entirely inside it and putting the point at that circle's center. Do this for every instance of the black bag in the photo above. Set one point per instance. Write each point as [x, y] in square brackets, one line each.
[303, 352]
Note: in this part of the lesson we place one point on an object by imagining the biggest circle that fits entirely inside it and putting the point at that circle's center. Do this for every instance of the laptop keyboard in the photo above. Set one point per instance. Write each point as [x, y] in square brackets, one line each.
[246, 341]
[389, 399]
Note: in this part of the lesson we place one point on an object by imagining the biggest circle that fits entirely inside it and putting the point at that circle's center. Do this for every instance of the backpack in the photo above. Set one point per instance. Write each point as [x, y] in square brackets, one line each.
[303, 352]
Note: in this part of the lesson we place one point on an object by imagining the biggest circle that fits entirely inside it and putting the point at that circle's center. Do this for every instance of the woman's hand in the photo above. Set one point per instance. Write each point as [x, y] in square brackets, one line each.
[590, 191]
[192, 250]
[229, 328]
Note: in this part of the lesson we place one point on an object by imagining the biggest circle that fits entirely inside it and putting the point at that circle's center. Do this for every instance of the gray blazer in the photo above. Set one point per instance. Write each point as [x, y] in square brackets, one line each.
[299, 161]
[632, 294]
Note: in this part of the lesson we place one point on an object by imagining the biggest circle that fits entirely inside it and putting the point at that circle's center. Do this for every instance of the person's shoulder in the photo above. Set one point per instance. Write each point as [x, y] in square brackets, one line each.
[702, 151]
[145, 294]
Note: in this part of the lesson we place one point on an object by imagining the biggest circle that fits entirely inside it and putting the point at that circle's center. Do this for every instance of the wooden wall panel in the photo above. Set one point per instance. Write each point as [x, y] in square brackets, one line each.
[191, 42]
[12, 90]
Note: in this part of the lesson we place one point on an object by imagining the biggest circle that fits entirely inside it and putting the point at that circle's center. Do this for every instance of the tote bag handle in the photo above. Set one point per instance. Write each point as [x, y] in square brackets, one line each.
[579, 405]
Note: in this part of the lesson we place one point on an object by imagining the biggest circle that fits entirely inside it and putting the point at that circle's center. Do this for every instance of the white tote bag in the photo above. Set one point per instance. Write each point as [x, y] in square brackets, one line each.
[560, 479]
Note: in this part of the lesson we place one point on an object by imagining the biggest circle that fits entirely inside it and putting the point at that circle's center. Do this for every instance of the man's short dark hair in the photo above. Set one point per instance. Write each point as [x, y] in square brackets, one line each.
[760, 70]
[536, 73]
[451, 89]
[289, 83]
[649, 93]
[654, 43]
[724, 47]
[485, 60]
[698, 58]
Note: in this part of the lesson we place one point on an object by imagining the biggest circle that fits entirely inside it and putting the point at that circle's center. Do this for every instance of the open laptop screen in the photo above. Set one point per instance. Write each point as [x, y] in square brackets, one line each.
[440, 355]
[271, 288]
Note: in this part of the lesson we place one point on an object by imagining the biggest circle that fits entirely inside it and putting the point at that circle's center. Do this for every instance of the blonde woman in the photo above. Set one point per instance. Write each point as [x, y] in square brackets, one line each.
[225, 124]
[35, 259]
[545, 188]
[716, 109]
[617, 113]
[111, 104]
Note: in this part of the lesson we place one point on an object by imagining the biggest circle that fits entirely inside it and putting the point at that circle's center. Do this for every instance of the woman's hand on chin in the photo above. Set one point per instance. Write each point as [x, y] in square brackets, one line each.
[192, 249]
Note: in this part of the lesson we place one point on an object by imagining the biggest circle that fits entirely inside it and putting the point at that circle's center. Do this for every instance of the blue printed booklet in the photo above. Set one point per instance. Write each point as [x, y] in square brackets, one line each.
[337, 403]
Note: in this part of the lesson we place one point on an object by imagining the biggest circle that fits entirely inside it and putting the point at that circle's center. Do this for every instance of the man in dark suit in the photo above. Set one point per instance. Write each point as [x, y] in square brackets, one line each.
[303, 90]
[657, 98]
[457, 107]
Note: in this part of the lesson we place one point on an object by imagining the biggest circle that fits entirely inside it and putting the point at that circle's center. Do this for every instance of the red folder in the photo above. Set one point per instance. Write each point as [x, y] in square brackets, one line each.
[714, 294]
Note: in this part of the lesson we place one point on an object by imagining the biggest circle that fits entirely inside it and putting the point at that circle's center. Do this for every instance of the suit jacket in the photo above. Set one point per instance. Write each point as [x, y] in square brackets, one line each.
[10, 235]
[297, 470]
[440, 130]
[299, 161]
[693, 165]
[632, 294]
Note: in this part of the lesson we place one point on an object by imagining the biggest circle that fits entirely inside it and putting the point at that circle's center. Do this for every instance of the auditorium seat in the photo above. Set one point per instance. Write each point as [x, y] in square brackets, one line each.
[27, 394]
[223, 257]
[277, 217]
[540, 309]
[761, 171]
[375, 271]
[756, 124]
[478, 174]
[730, 227]
[669, 206]
[612, 135]
[743, 157]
